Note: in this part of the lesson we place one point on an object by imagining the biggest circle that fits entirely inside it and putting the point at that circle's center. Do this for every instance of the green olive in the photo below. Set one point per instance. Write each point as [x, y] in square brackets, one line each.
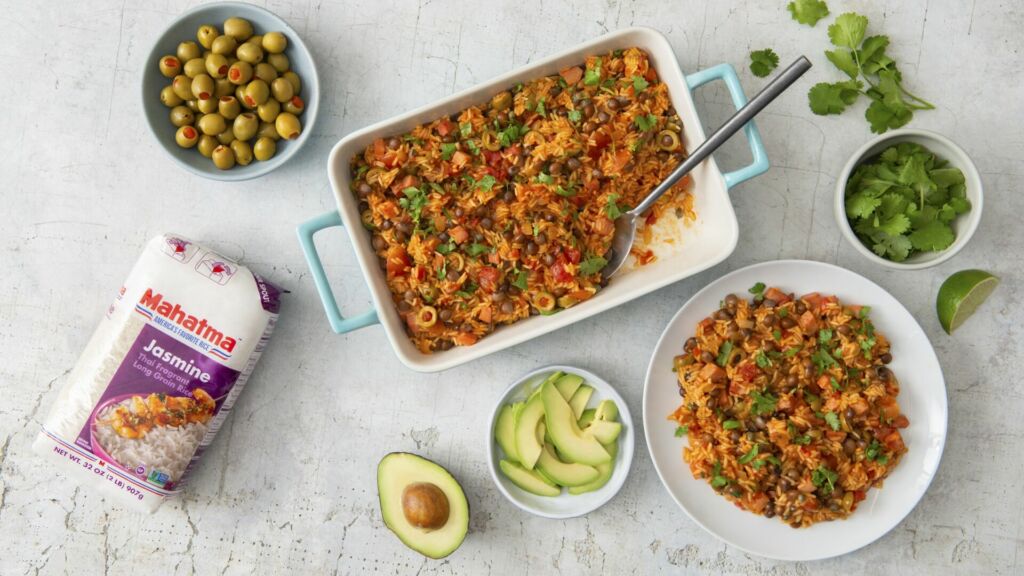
[228, 107]
[207, 144]
[243, 152]
[170, 66]
[182, 116]
[240, 73]
[279, 62]
[256, 39]
[188, 50]
[265, 72]
[206, 35]
[245, 126]
[294, 106]
[224, 45]
[182, 86]
[240, 96]
[226, 137]
[288, 126]
[186, 136]
[216, 65]
[282, 90]
[212, 124]
[207, 106]
[169, 98]
[250, 53]
[274, 42]
[501, 101]
[267, 130]
[223, 87]
[202, 87]
[269, 110]
[240, 28]
[195, 67]
[193, 105]
[294, 79]
[223, 157]
[256, 93]
[264, 149]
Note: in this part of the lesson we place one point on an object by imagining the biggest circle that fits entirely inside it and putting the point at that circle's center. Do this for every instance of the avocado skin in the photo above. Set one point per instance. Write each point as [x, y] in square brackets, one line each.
[463, 502]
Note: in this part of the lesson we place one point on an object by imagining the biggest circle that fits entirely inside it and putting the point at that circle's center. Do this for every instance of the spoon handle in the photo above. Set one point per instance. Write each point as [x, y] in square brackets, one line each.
[777, 86]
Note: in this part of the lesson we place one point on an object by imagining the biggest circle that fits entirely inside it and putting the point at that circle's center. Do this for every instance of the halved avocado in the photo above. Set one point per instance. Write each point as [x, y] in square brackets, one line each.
[579, 400]
[565, 433]
[527, 446]
[604, 472]
[607, 410]
[422, 503]
[564, 474]
[528, 480]
[604, 431]
[567, 384]
[504, 432]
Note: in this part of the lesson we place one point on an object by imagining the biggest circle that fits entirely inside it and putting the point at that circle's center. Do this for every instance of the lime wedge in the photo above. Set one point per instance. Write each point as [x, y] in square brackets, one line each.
[961, 294]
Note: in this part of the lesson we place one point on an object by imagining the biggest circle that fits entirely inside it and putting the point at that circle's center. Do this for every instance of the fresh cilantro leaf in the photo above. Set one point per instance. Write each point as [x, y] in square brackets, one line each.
[592, 265]
[639, 84]
[808, 11]
[762, 403]
[731, 424]
[446, 248]
[574, 116]
[823, 360]
[476, 249]
[874, 453]
[895, 248]
[592, 77]
[717, 480]
[762, 360]
[750, 455]
[882, 117]
[762, 62]
[825, 98]
[566, 192]
[844, 60]
[486, 183]
[777, 334]
[790, 352]
[833, 420]
[723, 353]
[413, 203]
[757, 289]
[934, 235]
[833, 382]
[520, 280]
[824, 336]
[540, 109]
[545, 178]
[465, 128]
[611, 208]
[448, 150]
[646, 123]
[473, 148]
[783, 312]
[872, 55]
[802, 439]
[824, 479]
[848, 30]
[682, 431]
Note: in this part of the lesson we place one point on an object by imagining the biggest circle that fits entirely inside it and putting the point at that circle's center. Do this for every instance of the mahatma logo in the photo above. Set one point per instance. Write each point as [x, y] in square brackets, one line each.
[152, 303]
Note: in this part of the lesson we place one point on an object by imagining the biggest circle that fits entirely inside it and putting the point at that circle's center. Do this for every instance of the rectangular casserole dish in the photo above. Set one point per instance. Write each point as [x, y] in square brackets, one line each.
[693, 246]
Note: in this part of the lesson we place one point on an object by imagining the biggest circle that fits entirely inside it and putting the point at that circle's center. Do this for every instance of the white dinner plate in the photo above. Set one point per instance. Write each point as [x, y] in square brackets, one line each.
[922, 399]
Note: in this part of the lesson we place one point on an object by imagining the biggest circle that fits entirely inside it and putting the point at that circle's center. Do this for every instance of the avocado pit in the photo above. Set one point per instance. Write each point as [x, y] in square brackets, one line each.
[425, 505]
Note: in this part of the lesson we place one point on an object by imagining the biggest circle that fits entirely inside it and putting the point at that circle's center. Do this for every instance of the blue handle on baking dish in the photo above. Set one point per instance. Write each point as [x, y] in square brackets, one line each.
[727, 74]
[339, 323]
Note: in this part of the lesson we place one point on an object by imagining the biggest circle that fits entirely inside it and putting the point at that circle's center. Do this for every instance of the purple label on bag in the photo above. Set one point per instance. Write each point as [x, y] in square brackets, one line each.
[157, 408]
[270, 295]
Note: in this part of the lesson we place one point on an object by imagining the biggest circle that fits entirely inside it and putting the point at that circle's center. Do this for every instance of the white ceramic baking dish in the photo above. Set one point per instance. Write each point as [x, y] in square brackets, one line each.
[696, 246]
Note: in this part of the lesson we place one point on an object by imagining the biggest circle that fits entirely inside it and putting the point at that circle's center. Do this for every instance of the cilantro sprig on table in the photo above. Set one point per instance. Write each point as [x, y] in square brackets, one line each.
[872, 73]
[808, 11]
[903, 201]
[762, 62]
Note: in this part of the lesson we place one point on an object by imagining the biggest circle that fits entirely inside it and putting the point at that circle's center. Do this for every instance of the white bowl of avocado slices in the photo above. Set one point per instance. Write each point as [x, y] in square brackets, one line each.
[560, 443]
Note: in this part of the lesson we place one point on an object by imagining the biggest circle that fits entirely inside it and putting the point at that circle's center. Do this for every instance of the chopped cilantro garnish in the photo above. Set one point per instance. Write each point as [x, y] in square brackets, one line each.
[473, 148]
[824, 479]
[874, 453]
[448, 150]
[790, 352]
[540, 109]
[413, 203]
[465, 128]
[446, 248]
[520, 280]
[639, 84]
[723, 353]
[823, 360]
[566, 192]
[731, 424]
[762, 360]
[834, 383]
[682, 431]
[611, 208]
[646, 123]
[592, 77]
[777, 334]
[545, 178]
[574, 116]
[783, 312]
[824, 335]
[863, 312]
[717, 480]
[750, 455]
[592, 265]
[476, 249]
[833, 420]
[762, 403]
[486, 183]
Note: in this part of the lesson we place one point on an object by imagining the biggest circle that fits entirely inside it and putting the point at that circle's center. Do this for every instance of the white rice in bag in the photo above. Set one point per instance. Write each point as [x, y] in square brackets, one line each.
[161, 372]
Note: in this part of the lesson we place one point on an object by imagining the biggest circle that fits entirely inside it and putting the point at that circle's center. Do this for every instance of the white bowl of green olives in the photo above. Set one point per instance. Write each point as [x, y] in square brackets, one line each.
[230, 91]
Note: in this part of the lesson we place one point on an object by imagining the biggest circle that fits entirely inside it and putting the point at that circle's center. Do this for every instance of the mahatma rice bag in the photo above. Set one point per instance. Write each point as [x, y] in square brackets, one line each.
[160, 374]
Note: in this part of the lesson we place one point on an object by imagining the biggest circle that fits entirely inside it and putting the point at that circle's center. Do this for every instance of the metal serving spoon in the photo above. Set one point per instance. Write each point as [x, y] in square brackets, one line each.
[625, 225]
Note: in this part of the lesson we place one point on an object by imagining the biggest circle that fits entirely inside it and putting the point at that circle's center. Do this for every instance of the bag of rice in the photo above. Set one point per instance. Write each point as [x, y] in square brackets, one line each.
[160, 374]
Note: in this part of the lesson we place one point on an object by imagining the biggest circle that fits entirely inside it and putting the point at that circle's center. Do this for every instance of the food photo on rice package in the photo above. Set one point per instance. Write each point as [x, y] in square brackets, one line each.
[160, 373]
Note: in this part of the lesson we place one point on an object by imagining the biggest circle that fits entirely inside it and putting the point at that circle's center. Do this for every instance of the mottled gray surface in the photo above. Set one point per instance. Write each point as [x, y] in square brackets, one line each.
[289, 484]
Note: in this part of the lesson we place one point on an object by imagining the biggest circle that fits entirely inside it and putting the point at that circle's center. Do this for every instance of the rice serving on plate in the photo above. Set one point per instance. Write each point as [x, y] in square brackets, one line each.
[166, 449]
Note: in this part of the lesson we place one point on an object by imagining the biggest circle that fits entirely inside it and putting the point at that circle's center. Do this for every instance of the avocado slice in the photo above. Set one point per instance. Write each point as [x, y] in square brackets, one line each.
[422, 503]
[528, 479]
[504, 432]
[604, 431]
[527, 446]
[604, 472]
[579, 400]
[542, 431]
[588, 416]
[567, 384]
[607, 410]
[564, 474]
[565, 433]
[545, 477]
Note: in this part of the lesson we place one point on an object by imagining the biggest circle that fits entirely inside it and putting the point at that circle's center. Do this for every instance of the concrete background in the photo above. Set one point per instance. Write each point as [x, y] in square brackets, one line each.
[289, 485]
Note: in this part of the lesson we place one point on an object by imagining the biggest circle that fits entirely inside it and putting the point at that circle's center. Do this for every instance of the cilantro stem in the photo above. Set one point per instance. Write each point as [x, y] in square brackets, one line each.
[926, 104]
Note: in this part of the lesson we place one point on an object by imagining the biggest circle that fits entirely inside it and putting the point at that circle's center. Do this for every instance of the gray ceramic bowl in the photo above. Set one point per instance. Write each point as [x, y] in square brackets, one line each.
[184, 28]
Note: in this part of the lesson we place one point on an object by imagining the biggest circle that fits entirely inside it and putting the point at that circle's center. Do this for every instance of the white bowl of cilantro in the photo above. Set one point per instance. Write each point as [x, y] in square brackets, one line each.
[909, 199]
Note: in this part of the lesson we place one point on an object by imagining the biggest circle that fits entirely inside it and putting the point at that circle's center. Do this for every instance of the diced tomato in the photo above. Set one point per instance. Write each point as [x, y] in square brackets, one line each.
[458, 234]
[444, 128]
[397, 261]
[460, 159]
[811, 504]
[860, 406]
[421, 273]
[573, 255]
[409, 181]
[737, 386]
[808, 322]
[488, 278]
[600, 142]
[499, 175]
[758, 502]
[465, 338]
[711, 370]
[824, 382]
[889, 408]
[901, 421]
[493, 159]
[571, 75]
[748, 371]
[858, 495]
[379, 148]
[494, 258]
[485, 314]
[388, 209]
[560, 272]
[620, 159]
[777, 295]
[894, 441]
